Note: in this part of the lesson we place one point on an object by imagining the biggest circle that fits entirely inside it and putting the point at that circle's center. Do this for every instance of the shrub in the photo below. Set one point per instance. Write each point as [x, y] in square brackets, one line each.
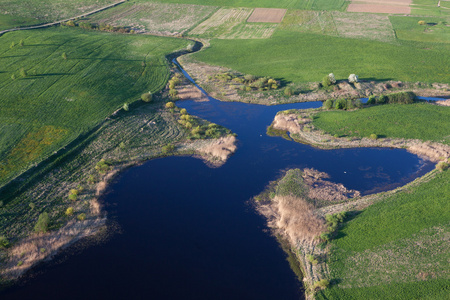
[288, 91]
[69, 211]
[170, 105]
[70, 23]
[326, 82]
[42, 223]
[21, 43]
[12, 45]
[371, 100]
[196, 130]
[340, 104]
[421, 22]
[81, 217]
[73, 195]
[401, 98]
[358, 103]
[147, 97]
[382, 99]
[373, 136]
[4, 242]
[23, 72]
[126, 107]
[183, 111]
[442, 166]
[64, 55]
[349, 104]
[32, 206]
[312, 259]
[91, 179]
[352, 78]
[168, 148]
[13, 77]
[102, 166]
[321, 284]
[328, 104]
[249, 77]
[173, 93]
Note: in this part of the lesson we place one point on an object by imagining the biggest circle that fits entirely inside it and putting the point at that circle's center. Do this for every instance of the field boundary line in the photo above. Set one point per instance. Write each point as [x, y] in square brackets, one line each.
[61, 21]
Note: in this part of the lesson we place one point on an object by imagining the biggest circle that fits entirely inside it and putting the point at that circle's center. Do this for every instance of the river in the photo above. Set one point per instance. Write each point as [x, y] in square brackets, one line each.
[183, 230]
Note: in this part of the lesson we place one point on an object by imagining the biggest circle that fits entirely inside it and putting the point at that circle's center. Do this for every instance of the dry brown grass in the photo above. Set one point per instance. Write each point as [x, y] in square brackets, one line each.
[221, 148]
[267, 15]
[294, 218]
[38, 247]
[288, 123]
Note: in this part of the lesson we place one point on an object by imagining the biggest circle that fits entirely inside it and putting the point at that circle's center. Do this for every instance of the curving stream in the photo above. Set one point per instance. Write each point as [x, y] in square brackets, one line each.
[187, 230]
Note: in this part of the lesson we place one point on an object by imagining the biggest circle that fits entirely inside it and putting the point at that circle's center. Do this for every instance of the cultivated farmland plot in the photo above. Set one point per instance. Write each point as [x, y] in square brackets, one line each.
[26, 12]
[159, 18]
[269, 15]
[231, 23]
[380, 6]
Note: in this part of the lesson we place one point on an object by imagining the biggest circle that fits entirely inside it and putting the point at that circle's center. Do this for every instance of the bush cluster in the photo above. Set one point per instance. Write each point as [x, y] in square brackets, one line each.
[343, 104]
[42, 223]
[333, 221]
[102, 166]
[249, 82]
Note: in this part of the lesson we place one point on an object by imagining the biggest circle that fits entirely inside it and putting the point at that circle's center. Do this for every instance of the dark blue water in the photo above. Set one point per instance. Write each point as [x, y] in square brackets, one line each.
[187, 231]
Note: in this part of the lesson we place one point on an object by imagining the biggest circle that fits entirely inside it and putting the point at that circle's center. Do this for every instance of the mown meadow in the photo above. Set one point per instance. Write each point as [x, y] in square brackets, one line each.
[430, 122]
[57, 84]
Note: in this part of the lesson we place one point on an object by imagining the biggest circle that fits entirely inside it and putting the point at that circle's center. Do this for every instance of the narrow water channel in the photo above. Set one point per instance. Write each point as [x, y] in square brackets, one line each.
[187, 230]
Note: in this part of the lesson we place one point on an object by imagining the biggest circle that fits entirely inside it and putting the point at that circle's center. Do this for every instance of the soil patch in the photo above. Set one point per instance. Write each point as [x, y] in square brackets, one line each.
[379, 8]
[267, 15]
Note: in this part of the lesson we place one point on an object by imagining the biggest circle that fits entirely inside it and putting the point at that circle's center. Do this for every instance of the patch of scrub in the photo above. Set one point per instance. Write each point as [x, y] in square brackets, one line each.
[162, 18]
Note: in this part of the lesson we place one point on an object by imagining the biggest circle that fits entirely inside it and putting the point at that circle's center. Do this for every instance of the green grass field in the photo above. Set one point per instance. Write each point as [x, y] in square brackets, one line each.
[60, 99]
[395, 249]
[297, 4]
[304, 57]
[28, 12]
[412, 121]
[435, 31]
[430, 8]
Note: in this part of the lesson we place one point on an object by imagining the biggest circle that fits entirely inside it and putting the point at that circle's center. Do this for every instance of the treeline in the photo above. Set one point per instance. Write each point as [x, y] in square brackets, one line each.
[395, 98]
[101, 26]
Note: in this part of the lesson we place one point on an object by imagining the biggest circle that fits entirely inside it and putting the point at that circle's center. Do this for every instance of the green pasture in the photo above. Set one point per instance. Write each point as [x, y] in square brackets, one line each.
[60, 99]
[435, 30]
[395, 249]
[411, 121]
[304, 57]
[297, 4]
[430, 8]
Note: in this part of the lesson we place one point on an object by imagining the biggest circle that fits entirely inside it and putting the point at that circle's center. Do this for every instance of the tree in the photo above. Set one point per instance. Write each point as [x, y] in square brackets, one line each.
[64, 55]
[13, 77]
[288, 91]
[21, 43]
[4, 243]
[42, 223]
[326, 82]
[69, 211]
[81, 217]
[371, 100]
[147, 97]
[170, 105]
[23, 72]
[126, 107]
[12, 45]
[352, 78]
[183, 111]
[328, 104]
[332, 78]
